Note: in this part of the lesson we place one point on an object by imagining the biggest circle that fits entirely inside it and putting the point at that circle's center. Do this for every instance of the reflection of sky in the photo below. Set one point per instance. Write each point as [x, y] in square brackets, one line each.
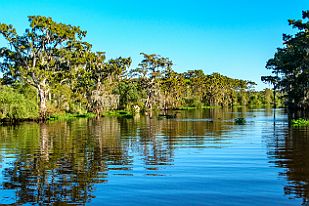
[234, 163]
[6, 196]
[217, 171]
[211, 169]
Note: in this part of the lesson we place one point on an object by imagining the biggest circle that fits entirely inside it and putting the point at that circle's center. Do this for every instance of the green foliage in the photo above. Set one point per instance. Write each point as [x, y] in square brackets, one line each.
[68, 116]
[119, 113]
[193, 101]
[14, 105]
[300, 122]
[44, 55]
[290, 65]
[187, 108]
[51, 66]
[129, 93]
[240, 121]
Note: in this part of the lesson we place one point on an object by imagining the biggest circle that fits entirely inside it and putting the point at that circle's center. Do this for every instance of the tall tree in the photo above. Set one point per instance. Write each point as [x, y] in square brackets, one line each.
[96, 80]
[39, 57]
[273, 80]
[291, 64]
[173, 88]
[149, 71]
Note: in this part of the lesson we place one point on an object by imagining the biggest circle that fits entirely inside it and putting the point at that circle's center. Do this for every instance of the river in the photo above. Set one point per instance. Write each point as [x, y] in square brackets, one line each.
[199, 158]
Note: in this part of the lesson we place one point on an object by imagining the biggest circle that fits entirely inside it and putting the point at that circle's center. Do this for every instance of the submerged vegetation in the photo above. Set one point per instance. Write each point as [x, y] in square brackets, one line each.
[240, 121]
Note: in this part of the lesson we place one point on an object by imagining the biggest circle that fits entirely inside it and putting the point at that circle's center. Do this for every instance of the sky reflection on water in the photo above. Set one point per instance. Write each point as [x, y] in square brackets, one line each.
[185, 161]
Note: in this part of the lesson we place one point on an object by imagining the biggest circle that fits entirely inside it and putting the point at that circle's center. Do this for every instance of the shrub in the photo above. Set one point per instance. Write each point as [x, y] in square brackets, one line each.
[300, 122]
[15, 105]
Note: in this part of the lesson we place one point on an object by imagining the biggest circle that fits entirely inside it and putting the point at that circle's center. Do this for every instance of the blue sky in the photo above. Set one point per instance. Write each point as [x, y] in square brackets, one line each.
[234, 38]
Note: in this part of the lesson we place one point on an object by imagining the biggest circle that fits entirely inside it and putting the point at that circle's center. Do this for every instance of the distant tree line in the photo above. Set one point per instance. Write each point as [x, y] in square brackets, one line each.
[50, 69]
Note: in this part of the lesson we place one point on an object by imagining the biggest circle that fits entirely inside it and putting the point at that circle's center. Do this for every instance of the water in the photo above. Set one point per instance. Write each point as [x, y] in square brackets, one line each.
[200, 158]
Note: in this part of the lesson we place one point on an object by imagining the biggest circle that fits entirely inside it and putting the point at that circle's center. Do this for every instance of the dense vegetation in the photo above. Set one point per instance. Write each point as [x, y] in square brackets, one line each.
[49, 70]
[290, 66]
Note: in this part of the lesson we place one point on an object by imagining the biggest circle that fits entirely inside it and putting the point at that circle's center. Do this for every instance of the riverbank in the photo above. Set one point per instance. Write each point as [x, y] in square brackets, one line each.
[67, 117]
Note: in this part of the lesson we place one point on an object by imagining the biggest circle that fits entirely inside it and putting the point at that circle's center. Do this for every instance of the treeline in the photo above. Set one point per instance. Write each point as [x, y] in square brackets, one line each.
[50, 69]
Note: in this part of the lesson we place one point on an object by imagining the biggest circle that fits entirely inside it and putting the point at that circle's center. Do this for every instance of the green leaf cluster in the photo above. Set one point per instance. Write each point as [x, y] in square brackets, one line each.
[300, 122]
[15, 105]
[290, 65]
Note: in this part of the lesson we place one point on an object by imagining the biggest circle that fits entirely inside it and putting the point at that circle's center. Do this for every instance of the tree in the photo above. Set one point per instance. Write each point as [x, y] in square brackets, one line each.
[149, 72]
[41, 56]
[173, 88]
[196, 83]
[291, 65]
[104, 94]
[274, 80]
[97, 80]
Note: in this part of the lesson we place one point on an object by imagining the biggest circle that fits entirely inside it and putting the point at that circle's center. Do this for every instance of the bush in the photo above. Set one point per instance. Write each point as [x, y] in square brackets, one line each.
[120, 113]
[68, 116]
[15, 105]
[300, 122]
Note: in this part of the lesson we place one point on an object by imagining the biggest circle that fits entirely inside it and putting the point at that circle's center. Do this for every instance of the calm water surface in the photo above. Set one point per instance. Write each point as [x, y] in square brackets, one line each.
[200, 158]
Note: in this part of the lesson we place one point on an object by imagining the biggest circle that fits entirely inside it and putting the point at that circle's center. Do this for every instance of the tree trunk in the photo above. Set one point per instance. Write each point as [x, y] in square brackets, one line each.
[275, 104]
[42, 104]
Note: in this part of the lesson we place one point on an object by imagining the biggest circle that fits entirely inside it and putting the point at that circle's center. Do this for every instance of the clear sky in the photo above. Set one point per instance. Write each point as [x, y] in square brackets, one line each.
[232, 37]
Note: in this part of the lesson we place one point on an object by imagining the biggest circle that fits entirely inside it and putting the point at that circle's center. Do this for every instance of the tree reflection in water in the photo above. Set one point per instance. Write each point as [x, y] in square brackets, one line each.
[289, 149]
[59, 167]
[62, 161]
